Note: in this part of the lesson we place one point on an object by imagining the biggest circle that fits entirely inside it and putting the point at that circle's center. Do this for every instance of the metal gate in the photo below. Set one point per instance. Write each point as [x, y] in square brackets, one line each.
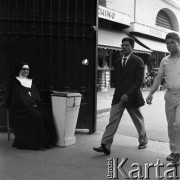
[54, 37]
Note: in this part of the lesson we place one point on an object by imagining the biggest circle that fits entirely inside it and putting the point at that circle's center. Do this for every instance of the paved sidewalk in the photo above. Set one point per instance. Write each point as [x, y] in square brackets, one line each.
[104, 100]
[79, 161]
[157, 110]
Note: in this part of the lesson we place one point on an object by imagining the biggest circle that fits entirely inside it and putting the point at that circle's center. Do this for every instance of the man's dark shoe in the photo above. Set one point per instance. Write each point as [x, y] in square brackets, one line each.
[170, 157]
[143, 144]
[103, 149]
[176, 159]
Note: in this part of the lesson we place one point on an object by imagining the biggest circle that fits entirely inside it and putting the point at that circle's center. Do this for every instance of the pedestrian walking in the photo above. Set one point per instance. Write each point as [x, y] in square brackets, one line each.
[170, 69]
[129, 75]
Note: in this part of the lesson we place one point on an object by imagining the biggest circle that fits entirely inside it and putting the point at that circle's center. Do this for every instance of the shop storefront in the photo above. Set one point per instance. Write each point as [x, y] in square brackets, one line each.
[149, 32]
[109, 42]
[110, 35]
[157, 46]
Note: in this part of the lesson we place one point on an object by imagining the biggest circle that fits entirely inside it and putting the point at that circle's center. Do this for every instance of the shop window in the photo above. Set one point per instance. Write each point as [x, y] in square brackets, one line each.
[100, 62]
[103, 62]
[103, 58]
[143, 56]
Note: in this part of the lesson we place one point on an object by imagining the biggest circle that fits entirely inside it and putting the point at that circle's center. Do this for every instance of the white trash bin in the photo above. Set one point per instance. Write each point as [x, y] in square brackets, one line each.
[65, 107]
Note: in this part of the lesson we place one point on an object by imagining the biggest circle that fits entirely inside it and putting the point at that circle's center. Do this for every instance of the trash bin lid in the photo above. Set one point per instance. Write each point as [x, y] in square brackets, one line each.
[66, 94]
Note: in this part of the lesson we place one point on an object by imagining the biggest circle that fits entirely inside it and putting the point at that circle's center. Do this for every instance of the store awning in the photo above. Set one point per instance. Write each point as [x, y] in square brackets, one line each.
[152, 44]
[111, 39]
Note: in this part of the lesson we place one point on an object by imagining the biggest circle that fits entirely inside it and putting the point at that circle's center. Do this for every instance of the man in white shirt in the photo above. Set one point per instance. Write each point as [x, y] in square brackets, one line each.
[170, 69]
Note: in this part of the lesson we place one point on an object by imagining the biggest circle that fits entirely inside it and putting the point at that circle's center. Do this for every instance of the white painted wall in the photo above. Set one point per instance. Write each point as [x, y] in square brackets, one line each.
[145, 12]
[123, 6]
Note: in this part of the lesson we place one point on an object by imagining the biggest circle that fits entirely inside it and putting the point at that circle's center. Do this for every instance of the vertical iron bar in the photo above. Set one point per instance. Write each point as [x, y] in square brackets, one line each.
[50, 45]
[9, 50]
[59, 34]
[75, 45]
[25, 19]
[17, 8]
[1, 68]
[1, 8]
[67, 48]
[42, 41]
[83, 39]
[34, 30]
[17, 31]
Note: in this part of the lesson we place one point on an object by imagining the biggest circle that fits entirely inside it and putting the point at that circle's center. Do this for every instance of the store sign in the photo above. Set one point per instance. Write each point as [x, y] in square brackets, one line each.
[106, 13]
[114, 16]
[156, 33]
[136, 27]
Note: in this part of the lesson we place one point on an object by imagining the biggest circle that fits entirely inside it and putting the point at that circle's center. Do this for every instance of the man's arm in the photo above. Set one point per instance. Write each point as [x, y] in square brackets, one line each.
[155, 86]
[156, 83]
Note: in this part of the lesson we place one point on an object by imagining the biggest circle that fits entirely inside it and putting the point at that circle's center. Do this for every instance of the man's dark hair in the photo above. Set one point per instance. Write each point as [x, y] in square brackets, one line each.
[131, 41]
[173, 36]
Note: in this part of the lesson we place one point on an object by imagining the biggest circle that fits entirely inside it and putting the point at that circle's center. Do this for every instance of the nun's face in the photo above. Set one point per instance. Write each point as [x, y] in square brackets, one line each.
[24, 72]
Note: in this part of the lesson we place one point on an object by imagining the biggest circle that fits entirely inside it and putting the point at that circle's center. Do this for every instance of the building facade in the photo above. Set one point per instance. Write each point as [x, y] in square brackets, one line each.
[147, 22]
